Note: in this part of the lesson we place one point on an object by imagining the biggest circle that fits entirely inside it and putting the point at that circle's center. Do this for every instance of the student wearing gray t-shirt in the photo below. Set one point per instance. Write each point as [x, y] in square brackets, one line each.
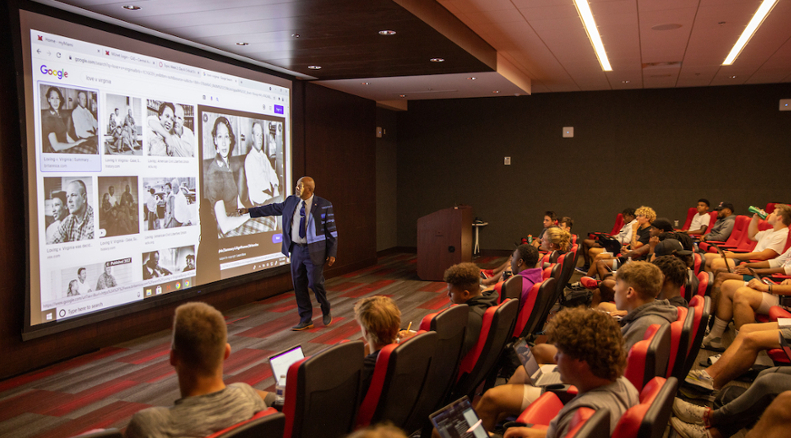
[206, 405]
[591, 356]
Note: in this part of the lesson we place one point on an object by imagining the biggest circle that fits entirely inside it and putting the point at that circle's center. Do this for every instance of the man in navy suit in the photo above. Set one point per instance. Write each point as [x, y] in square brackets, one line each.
[310, 239]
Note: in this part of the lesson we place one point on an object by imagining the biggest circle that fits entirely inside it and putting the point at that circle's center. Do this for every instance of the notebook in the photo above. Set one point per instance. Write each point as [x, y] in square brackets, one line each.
[540, 375]
[458, 420]
[281, 361]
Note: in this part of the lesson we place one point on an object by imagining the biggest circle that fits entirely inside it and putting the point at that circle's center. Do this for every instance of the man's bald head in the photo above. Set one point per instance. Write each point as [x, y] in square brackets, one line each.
[305, 187]
[76, 197]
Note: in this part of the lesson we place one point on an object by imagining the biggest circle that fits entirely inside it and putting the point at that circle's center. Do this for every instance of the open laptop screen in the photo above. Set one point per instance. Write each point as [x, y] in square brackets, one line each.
[281, 361]
[458, 420]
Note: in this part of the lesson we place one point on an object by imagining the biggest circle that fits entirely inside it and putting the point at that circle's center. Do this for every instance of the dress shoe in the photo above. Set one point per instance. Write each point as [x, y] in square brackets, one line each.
[302, 326]
[327, 319]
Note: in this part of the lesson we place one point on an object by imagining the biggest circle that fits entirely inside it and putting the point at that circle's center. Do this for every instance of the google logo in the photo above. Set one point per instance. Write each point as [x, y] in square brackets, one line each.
[59, 73]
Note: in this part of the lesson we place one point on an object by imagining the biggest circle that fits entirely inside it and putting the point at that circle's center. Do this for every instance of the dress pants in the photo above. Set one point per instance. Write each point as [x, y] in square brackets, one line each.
[304, 275]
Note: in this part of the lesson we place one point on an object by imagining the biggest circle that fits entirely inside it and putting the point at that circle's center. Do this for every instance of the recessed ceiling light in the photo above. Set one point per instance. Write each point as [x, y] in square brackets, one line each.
[586, 16]
[364, 83]
[471, 78]
[402, 96]
[295, 35]
[387, 32]
[437, 59]
[624, 82]
[669, 26]
[749, 31]
[132, 7]
[496, 91]
[732, 77]
[314, 67]
[242, 44]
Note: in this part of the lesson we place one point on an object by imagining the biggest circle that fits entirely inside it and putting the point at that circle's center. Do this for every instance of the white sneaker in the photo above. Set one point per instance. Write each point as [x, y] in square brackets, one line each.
[713, 359]
[700, 379]
[687, 430]
[713, 344]
[688, 412]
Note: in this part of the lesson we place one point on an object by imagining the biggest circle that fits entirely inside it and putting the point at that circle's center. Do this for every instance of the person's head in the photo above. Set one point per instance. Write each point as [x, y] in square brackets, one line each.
[463, 282]
[555, 239]
[381, 430]
[549, 218]
[661, 225]
[151, 190]
[58, 204]
[566, 223]
[72, 286]
[129, 111]
[782, 212]
[724, 210]
[153, 259]
[524, 257]
[111, 189]
[76, 195]
[108, 269]
[82, 274]
[703, 206]
[166, 111]
[190, 260]
[258, 136]
[645, 215]
[224, 139]
[54, 98]
[636, 283]
[106, 197]
[628, 214]
[82, 99]
[379, 319]
[674, 271]
[588, 341]
[199, 343]
[305, 187]
[118, 112]
[178, 117]
[168, 187]
[127, 189]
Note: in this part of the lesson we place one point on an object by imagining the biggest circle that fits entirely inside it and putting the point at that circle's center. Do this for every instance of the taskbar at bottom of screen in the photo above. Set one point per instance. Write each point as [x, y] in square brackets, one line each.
[167, 287]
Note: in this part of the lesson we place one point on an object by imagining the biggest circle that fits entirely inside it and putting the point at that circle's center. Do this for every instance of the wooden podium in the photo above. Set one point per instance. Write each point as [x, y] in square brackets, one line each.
[444, 238]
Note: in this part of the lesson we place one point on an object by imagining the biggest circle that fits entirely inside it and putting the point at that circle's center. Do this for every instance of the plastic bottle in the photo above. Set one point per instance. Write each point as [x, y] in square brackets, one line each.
[755, 210]
[280, 390]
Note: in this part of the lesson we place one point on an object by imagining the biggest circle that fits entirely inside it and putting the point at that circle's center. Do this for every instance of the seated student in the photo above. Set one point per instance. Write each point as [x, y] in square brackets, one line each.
[741, 305]
[524, 261]
[735, 413]
[604, 268]
[641, 234]
[740, 355]
[701, 220]
[727, 283]
[591, 248]
[590, 356]
[723, 227]
[464, 288]
[379, 320]
[555, 239]
[674, 275]
[565, 223]
[207, 405]
[550, 219]
[771, 243]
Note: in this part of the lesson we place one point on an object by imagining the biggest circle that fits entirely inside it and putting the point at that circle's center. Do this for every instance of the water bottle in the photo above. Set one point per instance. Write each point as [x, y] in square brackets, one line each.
[280, 390]
[755, 210]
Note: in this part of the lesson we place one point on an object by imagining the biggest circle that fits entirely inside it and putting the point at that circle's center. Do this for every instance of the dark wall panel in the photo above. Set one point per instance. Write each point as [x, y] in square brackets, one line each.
[662, 148]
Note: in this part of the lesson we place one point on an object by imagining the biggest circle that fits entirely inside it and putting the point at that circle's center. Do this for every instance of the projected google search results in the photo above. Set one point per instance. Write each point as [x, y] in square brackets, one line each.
[139, 165]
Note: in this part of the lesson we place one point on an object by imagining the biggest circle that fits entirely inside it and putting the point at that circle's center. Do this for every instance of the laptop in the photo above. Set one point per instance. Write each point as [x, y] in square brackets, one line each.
[458, 420]
[540, 375]
[281, 361]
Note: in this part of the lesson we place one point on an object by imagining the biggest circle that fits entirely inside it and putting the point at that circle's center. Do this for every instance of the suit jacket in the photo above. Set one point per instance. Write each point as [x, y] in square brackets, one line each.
[321, 233]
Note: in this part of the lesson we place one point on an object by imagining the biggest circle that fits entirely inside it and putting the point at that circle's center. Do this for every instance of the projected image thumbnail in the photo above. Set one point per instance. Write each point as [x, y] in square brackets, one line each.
[68, 120]
[226, 185]
[264, 184]
[118, 214]
[170, 202]
[75, 223]
[162, 263]
[86, 279]
[170, 129]
[123, 134]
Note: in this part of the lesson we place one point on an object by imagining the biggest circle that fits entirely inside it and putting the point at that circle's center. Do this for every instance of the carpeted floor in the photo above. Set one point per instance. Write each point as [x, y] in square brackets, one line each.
[103, 389]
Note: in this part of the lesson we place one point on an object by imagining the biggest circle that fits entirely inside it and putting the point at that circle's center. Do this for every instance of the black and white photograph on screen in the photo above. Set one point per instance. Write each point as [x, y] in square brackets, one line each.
[169, 202]
[263, 181]
[84, 279]
[76, 223]
[169, 129]
[164, 262]
[123, 133]
[119, 206]
[68, 120]
[225, 140]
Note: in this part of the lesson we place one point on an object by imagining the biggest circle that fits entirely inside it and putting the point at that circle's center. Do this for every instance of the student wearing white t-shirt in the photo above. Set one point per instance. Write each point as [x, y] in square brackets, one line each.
[771, 242]
[700, 222]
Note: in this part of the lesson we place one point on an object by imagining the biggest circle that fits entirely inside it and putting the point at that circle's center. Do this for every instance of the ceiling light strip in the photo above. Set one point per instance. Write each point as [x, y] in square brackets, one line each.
[749, 31]
[593, 34]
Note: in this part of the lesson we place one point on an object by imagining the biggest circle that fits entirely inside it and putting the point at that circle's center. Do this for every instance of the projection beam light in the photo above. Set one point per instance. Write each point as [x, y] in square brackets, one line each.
[593, 34]
[749, 31]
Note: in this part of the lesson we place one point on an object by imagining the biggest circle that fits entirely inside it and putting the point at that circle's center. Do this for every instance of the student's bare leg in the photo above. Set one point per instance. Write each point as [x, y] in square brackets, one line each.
[725, 301]
[746, 302]
[544, 353]
[741, 354]
[498, 401]
[775, 420]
